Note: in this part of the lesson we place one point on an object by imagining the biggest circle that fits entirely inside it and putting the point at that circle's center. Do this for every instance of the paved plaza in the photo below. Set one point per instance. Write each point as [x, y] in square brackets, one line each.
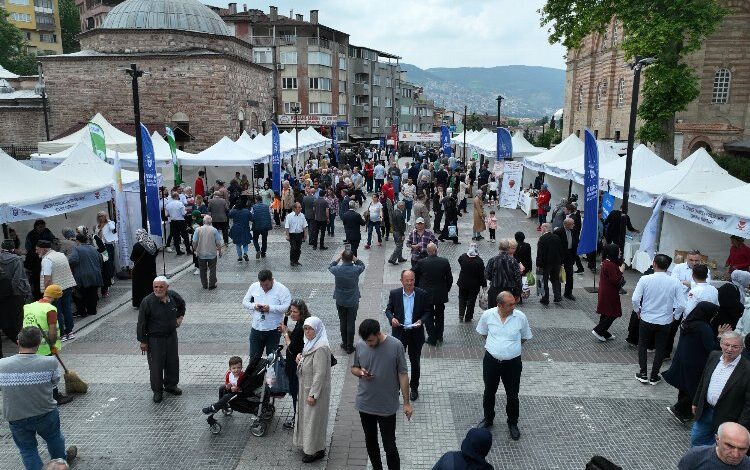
[578, 396]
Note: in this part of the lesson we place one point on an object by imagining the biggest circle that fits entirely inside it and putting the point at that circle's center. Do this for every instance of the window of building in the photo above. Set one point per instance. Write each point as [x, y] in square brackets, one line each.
[289, 83]
[45, 19]
[722, 80]
[21, 17]
[578, 133]
[615, 34]
[405, 127]
[360, 121]
[388, 81]
[361, 78]
[262, 56]
[342, 62]
[320, 108]
[596, 133]
[289, 106]
[48, 37]
[375, 122]
[621, 93]
[617, 136]
[289, 57]
[18, 2]
[387, 122]
[376, 101]
[319, 58]
[598, 97]
[320, 84]
[388, 102]
[361, 100]
[405, 110]
[27, 35]
[406, 92]
[376, 79]
[342, 109]
[342, 86]
[579, 106]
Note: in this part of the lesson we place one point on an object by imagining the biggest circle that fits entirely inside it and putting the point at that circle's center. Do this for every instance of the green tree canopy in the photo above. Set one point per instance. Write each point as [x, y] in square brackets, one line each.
[667, 30]
[474, 122]
[13, 55]
[70, 22]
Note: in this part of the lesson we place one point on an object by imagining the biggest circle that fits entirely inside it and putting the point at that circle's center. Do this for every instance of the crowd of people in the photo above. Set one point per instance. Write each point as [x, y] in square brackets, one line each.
[417, 204]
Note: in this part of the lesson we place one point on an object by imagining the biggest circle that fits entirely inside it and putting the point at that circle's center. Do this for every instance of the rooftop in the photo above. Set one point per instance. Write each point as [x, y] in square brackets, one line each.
[186, 15]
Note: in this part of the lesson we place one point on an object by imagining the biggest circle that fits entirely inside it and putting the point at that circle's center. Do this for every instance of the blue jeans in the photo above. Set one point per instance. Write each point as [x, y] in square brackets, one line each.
[240, 249]
[702, 433]
[65, 311]
[263, 339]
[370, 226]
[24, 435]
[408, 205]
[396, 183]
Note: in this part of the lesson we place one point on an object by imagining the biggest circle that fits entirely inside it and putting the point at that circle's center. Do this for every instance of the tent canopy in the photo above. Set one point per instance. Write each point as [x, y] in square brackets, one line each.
[223, 153]
[522, 147]
[569, 148]
[645, 163]
[115, 139]
[81, 164]
[574, 167]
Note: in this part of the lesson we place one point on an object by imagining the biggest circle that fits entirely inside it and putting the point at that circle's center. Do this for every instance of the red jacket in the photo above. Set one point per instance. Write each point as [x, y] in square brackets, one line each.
[739, 257]
[239, 379]
[542, 200]
[199, 188]
[388, 192]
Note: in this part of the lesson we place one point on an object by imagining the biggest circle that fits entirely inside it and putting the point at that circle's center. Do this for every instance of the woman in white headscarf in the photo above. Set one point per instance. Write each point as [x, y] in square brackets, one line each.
[314, 372]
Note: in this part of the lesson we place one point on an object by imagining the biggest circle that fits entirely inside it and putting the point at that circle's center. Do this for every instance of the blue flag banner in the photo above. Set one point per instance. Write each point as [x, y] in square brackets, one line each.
[608, 203]
[275, 159]
[445, 140]
[381, 144]
[504, 144]
[335, 143]
[587, 243]
[152, 184]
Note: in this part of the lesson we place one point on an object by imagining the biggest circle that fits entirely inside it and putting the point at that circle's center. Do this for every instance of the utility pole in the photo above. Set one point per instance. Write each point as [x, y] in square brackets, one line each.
[499, 102]
[41, 89]
[466, 109]
[136, 74]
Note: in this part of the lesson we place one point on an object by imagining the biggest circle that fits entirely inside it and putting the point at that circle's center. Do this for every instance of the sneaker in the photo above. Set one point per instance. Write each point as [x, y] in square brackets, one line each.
[245, 257]
[257, 255]
[680, 419]
[641, 377]
[196, 272]
[611, 337]
[239, 259]
[289, 424]
[71, 335]
[63, 399]
[598, 336]
[64, 338]
[170, 249]
[70, 454]
[209, 410]
[654, 380]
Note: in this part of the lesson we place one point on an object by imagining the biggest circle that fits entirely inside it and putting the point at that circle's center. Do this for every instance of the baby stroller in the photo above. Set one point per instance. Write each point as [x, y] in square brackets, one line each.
[255, 398]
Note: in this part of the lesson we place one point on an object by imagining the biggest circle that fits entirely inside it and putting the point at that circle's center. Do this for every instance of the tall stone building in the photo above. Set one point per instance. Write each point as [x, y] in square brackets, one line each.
[39, 21]
[599, 85]
[199, 78]
[21, 115]
[93, 12]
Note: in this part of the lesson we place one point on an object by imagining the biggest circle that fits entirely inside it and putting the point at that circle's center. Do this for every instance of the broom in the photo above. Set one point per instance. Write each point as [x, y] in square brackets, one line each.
[73, 383]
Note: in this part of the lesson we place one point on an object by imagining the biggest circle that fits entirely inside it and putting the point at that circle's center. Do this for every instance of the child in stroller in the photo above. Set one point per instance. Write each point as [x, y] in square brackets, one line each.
[231, 386]
[251, 395]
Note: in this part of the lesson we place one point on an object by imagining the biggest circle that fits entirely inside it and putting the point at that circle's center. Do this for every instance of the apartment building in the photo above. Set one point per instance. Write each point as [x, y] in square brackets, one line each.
[93, 12]
[39, 21]
[376, 80]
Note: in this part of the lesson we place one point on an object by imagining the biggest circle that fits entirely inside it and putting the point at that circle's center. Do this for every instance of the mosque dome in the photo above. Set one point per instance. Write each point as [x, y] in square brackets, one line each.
[185, 15]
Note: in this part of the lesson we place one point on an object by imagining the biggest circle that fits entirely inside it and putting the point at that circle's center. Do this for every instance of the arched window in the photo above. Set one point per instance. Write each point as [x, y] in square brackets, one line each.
[621, 93]
[580, 97]
[722, 80]
[615, 34]
[598, 102]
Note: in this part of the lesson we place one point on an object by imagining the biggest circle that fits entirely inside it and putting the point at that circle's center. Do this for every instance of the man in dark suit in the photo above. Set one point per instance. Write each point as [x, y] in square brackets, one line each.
[723, 393]
[549, 256]
[437, 207]
[569, 240]
[433, 274]
[308, 208]
[352, 221]
[408, 309]
[575, 214]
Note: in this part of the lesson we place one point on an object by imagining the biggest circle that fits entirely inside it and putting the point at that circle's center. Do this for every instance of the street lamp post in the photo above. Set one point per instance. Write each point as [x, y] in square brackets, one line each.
[637, 65]
[499, 102]
[135, 74]
[296, 111]
[42, 90]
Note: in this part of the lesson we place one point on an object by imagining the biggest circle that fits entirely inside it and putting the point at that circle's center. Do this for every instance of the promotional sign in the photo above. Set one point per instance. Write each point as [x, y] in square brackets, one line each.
[173, 148]
[335, 142]
[504, 144]
[276, 159]
[98, 143]
[307, 120]
[589, 231]
[511, 187]
[445, 140]
[729, 224]
[381, 143]
[58, 206]
[152, 184]
[608, 203]
[121, 211]
[419, 136]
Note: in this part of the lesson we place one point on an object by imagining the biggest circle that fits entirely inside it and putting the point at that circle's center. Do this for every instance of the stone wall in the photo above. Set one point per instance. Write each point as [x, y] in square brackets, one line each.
[208, 88]
[21, 126]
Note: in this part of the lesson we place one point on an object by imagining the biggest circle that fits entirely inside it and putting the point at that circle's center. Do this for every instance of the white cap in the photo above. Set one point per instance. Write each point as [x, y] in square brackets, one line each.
[420, 220]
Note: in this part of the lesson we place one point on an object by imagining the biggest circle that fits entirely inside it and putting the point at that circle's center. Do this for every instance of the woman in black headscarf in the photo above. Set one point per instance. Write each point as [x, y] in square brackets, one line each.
[143, 257]
[473, 453]
[697, 340]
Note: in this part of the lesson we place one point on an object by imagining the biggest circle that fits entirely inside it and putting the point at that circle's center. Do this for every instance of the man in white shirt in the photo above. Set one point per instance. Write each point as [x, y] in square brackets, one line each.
[267, 301]
[295, 226]
[656, 297]
[700, 292]
[176, 213]
[683, 272]
[504, 329]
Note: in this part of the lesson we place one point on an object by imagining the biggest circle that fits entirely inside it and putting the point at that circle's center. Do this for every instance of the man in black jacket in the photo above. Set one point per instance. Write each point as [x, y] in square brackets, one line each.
[575, 214]
[308, 208]
[437, 208]
[433, 274]
[569, 240]
[408, 309]
[549, 256]
[352, 221]
[723, 394]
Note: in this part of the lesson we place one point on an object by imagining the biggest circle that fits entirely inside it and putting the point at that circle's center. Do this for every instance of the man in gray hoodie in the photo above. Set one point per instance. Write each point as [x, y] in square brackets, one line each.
[14, 291]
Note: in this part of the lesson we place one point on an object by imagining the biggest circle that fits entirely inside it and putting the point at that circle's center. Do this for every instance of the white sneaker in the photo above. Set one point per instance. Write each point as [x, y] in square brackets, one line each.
[64, 338]
[170, 249]
[611, 338]
[196, 272]
[598, 336]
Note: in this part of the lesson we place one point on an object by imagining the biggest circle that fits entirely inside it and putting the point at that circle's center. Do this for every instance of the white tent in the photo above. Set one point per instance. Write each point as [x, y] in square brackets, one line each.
[82, 164]
[645, 163]
[115, 139]
[223, 153]
[317, 136]
[522, 147]
[569, 148]
[573, 169]
[30, 194]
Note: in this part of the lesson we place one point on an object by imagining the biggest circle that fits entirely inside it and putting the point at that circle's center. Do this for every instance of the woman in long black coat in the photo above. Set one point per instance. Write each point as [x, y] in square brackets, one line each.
[697, 341]
[143, 257]
[450, 216]
[470, 280]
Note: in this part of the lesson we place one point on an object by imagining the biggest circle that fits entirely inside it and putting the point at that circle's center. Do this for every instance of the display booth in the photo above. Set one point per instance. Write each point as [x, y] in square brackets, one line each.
[569, 148]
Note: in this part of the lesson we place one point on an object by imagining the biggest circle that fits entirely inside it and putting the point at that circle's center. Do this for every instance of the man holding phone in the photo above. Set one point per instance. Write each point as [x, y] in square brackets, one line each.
[267, 301]
[380, 366]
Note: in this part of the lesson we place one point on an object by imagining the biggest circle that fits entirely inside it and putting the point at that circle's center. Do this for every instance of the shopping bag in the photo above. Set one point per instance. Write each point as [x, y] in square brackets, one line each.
[280, 385]
[452, 231]
[530, 279]
[562, 274]
[483, 299]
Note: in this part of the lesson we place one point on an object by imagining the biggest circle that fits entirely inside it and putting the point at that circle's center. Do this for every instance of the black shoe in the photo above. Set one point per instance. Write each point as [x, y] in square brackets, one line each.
[323, 247]
[641, 377]
[289, 424]
[209, 288]
[544, 301]
[316, 456]
[257, 255]
[414, 395]
[579, 271]
[209, 410]
[314, 247]
[350, 350]
[485, 423]
[402, 260]
[569, 296]
[239, 259]
[515, 434]
[431, 342]
[680, 419]
[245, 257]
[654, 380]
[63, 399]
[557, 301]
[179, 253]
[158, 397]
[70, 454]
[390, 261]
[176, 390]
[342, 345]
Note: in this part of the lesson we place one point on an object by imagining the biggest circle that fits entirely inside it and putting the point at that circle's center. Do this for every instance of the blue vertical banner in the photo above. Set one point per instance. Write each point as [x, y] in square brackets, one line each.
[335, 143]
[608, 203]
[275, 159]
[152, 184]
[589, 231]
[445, 140]
[504, 149]
[381, 143]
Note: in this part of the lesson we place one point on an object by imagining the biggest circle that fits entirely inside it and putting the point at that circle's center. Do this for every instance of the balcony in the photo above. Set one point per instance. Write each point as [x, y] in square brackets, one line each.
[43, 6]
[360, 111]
[45, 22]
[361, 88]
[320, 42]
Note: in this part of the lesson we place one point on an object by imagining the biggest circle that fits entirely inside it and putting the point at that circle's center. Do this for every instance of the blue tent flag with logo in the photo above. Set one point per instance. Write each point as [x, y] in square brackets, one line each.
[504, 144]
[275, 159]
[445, 140]
[587, 243]
[152, 184]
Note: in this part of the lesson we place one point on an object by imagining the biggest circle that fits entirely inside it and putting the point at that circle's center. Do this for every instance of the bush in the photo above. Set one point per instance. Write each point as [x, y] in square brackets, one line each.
[739, 167]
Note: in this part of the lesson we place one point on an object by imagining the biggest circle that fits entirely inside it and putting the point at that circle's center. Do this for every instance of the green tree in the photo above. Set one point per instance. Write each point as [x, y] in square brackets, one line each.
[474, 123]
[667, 30]
[70, 22]
[511, 122]
[13, 55]
[548, 138]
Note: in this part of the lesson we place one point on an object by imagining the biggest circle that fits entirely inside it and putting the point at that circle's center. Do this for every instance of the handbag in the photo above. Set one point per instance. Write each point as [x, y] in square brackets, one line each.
[280, 385]
[483, 299]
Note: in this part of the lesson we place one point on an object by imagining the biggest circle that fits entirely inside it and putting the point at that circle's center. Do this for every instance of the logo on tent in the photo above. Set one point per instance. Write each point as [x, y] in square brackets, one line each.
[96, 194]
[742, 225]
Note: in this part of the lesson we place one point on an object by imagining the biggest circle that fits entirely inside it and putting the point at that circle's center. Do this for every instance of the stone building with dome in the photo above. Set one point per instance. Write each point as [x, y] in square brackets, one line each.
[198, 78]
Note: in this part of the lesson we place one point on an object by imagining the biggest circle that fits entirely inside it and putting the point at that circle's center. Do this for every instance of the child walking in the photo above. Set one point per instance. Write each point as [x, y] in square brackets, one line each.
[491, 222]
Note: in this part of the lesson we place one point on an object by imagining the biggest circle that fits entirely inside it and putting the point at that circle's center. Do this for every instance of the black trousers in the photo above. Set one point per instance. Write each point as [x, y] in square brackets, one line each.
[87, 300]
[223, 227]
[493, 371]
[378, 185]
[568, 263]
[413, 340]
[551, 273]
[436, 223]
[224, 397]
[163, 362]
[347, 319]
[436, 325]
[579, 265]
[467, 300]
[311, 230]
[602, 328]
[295, 249]
[319, 232]
[178, 230]
[11, 317]
[260, 241]
[660, 334]
[684, 405]
[387, 426]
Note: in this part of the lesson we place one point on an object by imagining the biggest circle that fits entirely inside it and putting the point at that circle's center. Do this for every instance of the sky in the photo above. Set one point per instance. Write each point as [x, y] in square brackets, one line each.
[435, 33]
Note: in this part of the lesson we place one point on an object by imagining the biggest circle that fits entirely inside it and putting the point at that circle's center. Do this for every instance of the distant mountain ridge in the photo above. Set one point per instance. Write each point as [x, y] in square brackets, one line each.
[529, 91]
